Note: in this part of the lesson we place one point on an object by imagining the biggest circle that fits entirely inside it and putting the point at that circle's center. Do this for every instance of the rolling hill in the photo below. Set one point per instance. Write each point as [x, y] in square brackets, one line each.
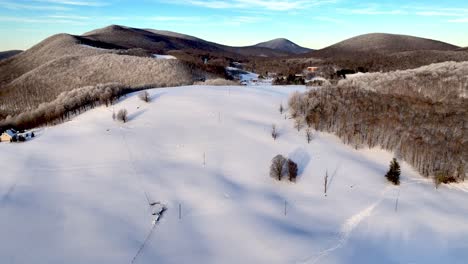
[161, 41]
[283, 44]
[9, 53]
[65, 62]
[384, 44]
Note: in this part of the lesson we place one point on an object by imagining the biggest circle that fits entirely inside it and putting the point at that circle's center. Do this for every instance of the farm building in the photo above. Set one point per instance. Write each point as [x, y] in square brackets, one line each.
[8, 135]
[312, 69]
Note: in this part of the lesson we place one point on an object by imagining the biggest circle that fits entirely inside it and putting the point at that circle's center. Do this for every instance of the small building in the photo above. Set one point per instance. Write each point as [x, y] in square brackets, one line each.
[8, 135]
[312, 69]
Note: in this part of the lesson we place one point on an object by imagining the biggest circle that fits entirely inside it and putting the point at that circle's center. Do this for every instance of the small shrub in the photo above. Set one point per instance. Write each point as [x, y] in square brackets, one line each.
[444, 178]
[309, 135]
[144, 96]
[274, 132]
[122, 115]
[393, 174]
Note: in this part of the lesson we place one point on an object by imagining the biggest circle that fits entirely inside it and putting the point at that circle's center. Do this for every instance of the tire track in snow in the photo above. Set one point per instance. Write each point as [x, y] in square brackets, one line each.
[346, 230]
[159, 214]
[7, 195]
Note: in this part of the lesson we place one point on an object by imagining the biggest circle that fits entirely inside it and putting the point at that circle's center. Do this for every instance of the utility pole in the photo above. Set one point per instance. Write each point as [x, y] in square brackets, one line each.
[180, 211]
[326, 182]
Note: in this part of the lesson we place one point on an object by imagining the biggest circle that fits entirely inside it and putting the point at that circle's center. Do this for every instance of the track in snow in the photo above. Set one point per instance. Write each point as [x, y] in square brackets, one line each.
[346, 230]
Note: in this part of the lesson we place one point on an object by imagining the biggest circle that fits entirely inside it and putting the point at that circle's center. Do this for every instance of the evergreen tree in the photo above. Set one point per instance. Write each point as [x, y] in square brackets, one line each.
[393, 174]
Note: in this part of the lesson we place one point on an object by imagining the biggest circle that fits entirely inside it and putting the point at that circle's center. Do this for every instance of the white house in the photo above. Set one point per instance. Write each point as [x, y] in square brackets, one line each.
[8, 135]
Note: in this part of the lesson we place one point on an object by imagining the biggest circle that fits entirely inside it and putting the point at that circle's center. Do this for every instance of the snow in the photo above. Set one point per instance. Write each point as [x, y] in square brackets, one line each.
[92, 47]
[249, 78]
[355, 75]
[93, 190]
[164, 57]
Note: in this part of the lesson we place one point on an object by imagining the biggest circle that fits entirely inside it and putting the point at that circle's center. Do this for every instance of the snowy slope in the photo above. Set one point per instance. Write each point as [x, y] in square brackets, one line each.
[79, 192]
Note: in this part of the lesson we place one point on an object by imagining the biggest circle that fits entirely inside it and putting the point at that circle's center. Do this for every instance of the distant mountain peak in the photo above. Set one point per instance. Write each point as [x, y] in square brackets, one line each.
[283, 44]
[384, 42]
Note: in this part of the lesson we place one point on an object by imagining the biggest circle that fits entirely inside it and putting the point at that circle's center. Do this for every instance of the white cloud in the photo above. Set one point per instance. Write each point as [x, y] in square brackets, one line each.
[329, 19]
[40, 20]
[73, 2]
[24, 6]
[459, 20]
[374, 11]
[239, 20]
[72, 17]
[284, 5]
[173, 18]
[437, 13]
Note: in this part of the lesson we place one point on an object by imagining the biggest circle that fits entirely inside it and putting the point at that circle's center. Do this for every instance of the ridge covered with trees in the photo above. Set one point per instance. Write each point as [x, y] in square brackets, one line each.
[431, 136]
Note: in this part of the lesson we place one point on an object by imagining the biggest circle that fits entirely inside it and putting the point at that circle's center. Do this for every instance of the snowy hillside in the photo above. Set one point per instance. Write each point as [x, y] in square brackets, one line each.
[80, 192]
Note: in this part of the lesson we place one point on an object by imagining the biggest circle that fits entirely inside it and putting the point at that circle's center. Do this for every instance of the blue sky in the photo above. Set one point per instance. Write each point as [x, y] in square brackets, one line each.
[313, 23]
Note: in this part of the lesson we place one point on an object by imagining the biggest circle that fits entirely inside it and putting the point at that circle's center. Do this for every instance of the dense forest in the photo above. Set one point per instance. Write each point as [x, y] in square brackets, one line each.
[67, 104]
[45, 83]
[431, 136]
[440, 82]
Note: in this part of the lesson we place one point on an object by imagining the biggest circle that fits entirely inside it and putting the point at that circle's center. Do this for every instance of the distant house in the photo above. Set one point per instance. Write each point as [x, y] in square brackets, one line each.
[8, 135]
[312, 69]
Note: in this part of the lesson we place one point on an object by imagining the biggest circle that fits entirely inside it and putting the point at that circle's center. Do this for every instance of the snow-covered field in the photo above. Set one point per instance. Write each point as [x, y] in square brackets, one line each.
[80, 192]
[164, 57]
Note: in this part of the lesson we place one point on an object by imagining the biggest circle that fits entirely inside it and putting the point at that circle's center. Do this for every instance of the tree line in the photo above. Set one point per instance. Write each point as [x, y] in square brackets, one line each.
[431, 136]
[67, 104]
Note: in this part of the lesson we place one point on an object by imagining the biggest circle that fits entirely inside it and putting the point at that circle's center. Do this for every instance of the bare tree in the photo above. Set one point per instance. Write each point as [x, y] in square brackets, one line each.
[278, 167]
[309, 135]
[144, 96]
[274, 132]
[407, 125]
[298, 124]
[122, 115]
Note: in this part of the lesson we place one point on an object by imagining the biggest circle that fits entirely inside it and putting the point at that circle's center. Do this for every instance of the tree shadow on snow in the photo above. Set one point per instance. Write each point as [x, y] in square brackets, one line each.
[302, 158]
[136, 114]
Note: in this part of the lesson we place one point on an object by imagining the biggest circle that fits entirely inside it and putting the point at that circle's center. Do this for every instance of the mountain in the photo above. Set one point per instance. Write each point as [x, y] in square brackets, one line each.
[9, 53]
[283, 44]
[385, 52]
[161, 41]
[386, 43]
[66, 62]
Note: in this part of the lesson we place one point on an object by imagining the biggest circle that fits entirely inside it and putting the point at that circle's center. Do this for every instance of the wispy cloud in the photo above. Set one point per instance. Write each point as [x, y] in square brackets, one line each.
[70, 17]
[459, 20]
[26, 6]
[40, 20]
[174, 18]
[374, 11]
[240, 20]
[329, 19]
[74, 2]
[284, 5]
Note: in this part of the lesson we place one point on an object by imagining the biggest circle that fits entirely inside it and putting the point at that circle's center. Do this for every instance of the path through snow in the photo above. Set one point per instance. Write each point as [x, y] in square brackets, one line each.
[346, 229]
